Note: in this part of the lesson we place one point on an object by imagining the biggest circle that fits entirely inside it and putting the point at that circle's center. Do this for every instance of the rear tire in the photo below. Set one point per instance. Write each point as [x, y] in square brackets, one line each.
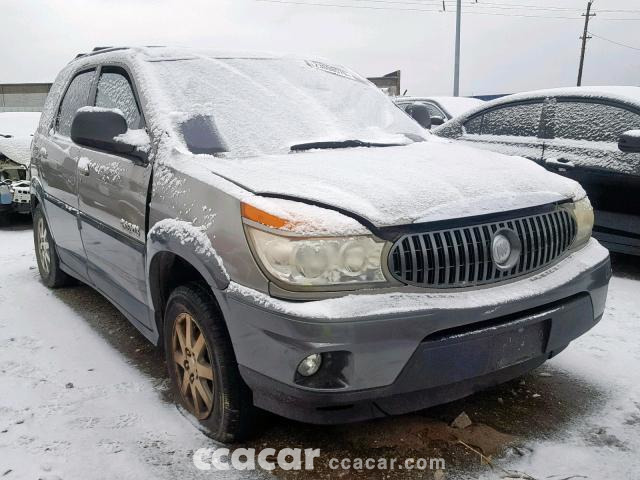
[46, 254]
[202, 365]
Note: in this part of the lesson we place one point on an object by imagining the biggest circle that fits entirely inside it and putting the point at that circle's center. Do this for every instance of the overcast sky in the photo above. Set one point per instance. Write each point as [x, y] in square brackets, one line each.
[500, 54]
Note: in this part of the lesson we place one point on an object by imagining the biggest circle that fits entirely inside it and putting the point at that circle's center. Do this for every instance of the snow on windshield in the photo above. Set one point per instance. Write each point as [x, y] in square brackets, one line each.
[266, 105]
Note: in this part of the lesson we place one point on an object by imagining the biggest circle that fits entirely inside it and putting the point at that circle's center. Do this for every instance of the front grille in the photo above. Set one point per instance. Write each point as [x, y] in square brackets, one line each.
[461, 257]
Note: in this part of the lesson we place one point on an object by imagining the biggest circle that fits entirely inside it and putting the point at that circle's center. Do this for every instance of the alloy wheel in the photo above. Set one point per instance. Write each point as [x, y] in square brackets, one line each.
[194, 372]
[43, 246]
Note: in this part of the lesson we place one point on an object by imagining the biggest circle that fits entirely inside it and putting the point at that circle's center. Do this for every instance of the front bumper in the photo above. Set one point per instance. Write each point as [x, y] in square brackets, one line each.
[396, 352]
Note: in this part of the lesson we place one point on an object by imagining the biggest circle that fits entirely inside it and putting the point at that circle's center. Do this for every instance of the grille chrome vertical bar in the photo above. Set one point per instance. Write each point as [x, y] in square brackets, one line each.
[414, 270]
[436, 278]
[445, 249]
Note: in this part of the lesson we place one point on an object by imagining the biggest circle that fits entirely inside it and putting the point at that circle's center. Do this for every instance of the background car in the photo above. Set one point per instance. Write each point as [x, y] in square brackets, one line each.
[441, 109]
[584, 133]
[16, 132]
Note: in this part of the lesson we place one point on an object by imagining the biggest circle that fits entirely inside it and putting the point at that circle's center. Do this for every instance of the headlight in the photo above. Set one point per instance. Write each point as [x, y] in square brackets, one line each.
[318, 261]
[583, 213]
[300, 261]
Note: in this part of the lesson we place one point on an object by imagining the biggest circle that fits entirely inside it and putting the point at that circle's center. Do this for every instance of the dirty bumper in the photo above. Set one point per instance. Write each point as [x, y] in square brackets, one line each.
[395, 363]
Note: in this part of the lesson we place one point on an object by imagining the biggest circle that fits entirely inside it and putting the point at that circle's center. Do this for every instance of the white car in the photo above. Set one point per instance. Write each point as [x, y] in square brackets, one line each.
[441, 109]
[16, 132]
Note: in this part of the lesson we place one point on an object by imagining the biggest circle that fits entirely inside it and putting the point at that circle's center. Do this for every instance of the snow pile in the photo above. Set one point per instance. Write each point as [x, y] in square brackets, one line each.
[374, 303]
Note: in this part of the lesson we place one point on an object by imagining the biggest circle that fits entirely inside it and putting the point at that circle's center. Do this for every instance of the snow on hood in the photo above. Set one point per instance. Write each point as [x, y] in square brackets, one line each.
[398, 185]
[19, 127]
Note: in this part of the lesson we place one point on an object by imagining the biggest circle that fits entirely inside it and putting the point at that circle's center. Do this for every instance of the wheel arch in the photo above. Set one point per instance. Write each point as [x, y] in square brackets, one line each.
[171, 263]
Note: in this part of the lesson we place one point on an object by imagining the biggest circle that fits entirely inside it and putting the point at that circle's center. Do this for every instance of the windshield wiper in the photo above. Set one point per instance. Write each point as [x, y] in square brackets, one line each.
[340, 144]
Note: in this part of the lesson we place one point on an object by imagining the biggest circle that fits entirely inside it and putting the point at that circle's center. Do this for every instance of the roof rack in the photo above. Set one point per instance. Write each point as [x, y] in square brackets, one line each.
[97, 50]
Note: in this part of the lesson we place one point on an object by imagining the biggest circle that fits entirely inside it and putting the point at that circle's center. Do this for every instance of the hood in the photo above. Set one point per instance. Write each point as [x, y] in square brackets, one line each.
[422, 182]
[17, 149]
[16, 131]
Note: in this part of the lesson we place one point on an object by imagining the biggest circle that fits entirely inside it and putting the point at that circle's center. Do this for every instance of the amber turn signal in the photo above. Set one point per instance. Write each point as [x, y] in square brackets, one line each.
[252, 213]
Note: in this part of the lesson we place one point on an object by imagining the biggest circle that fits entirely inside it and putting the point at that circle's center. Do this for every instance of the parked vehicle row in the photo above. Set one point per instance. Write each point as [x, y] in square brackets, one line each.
[588, 134]
[316, 254]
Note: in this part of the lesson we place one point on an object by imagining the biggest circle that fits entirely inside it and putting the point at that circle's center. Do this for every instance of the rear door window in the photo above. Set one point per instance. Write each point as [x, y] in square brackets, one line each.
[594, 122]
[115, 91]
[76, 97]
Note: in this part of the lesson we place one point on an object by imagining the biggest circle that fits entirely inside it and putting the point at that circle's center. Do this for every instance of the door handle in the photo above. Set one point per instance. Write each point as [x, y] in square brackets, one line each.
[83, 167]
[560, 163]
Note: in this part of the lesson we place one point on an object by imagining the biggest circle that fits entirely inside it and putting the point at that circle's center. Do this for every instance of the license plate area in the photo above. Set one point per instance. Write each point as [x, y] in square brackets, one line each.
[520, 344]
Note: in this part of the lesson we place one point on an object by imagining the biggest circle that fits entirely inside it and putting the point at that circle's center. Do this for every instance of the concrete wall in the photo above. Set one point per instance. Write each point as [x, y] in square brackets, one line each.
[23, 97]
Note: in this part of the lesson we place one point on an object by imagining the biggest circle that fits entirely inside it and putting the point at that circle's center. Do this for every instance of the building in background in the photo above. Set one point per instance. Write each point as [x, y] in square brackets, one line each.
[23, 97]
[389, 83]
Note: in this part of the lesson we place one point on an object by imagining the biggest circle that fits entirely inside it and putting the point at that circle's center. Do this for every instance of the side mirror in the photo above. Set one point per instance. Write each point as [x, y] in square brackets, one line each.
[629, 141]
[437, 120]
[420, 113]
[99, 128]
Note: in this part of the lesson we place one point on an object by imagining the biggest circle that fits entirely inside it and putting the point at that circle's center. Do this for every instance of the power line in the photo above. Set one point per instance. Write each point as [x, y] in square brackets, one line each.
[410, 9]
[614, 42]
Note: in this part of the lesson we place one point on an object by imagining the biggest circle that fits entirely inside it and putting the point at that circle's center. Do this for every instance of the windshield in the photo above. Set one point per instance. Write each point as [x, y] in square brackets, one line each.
[263, 106]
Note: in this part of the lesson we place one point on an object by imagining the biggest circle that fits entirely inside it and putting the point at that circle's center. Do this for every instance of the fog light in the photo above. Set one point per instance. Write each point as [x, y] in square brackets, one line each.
[310, 365]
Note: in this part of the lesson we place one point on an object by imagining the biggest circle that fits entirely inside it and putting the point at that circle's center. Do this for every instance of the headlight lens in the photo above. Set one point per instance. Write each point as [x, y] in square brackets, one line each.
[318, 261]
[583, 212]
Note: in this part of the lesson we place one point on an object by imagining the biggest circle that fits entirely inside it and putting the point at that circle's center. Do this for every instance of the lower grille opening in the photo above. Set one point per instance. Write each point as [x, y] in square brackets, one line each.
[470, 328]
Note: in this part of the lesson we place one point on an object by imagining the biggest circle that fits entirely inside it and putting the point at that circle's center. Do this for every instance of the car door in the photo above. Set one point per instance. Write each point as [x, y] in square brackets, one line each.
[584, 147]
[512, 129]
[112, 203]
[58, 157]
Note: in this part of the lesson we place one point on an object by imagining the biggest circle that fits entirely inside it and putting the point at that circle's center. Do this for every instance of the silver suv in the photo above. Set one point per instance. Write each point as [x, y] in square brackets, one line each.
[297, 243]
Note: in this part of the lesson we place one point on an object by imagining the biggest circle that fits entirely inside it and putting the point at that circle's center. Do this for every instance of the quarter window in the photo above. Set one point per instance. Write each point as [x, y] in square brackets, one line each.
[114, 91]
[594, 122]
[77, 96]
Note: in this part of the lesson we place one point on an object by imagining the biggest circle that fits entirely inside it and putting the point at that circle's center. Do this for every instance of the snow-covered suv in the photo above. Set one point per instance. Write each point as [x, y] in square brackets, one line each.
[297, 243]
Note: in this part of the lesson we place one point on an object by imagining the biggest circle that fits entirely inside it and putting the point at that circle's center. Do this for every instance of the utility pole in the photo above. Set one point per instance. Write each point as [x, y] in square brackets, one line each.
[456, 71]
[585, 36]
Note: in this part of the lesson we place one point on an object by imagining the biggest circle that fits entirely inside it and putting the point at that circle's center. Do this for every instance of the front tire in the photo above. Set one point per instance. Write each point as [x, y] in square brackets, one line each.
[46, 255]
[202, 365]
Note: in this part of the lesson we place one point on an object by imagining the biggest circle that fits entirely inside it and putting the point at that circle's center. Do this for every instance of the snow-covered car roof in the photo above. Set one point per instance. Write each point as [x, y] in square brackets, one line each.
[453, 106]
[624, 94]
[16, 130]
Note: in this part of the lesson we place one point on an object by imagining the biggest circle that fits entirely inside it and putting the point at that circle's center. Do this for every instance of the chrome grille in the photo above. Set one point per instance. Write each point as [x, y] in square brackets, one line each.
[461, 257]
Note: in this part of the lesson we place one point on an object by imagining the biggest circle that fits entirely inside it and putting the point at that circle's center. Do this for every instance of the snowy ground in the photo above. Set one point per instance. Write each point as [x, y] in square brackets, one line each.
[83, 396]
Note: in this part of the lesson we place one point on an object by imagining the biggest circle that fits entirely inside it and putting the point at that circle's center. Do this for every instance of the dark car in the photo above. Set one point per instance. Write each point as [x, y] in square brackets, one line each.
[588, 134]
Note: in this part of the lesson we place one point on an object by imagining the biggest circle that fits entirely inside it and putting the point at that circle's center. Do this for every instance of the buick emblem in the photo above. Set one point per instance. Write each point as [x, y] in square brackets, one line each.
[505, 249]
[501, 249]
